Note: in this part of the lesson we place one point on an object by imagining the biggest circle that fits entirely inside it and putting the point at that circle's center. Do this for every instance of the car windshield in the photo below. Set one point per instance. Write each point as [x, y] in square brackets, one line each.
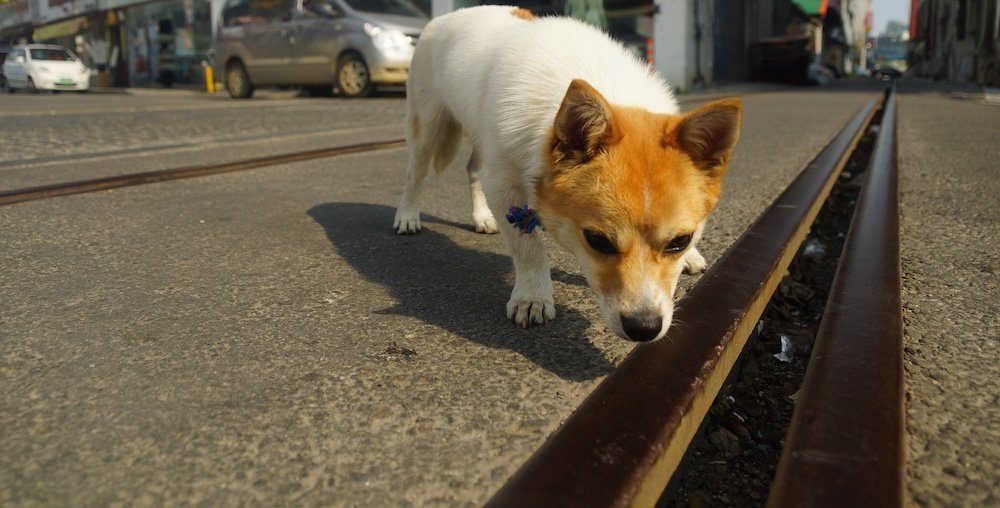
[58, 55]
[395, 7]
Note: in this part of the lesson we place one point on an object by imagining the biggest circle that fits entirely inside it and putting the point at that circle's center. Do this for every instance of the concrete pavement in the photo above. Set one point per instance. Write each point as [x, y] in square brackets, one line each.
[263, 338]
[949, 147]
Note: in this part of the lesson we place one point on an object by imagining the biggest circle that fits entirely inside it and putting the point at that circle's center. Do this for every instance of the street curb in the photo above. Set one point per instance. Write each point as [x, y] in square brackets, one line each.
[106, 90]
[148, 92]
[992, 96]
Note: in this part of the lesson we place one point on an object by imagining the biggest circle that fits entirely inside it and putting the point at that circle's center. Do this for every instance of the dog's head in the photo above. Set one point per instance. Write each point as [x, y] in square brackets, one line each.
[628, 192]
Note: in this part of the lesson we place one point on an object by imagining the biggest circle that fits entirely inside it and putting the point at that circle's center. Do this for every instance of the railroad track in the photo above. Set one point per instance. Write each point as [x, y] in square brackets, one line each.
[622, 446]
[627, 440]
[113, 182]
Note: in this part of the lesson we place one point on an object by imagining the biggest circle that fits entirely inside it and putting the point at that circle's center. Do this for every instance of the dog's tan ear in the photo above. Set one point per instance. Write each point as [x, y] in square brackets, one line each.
[709, 133]
[584, 125]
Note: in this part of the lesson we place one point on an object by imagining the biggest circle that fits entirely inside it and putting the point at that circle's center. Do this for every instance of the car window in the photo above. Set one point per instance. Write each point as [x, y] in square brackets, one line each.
[51, 54]
[322, 8]
[248, 12]
[397, 7]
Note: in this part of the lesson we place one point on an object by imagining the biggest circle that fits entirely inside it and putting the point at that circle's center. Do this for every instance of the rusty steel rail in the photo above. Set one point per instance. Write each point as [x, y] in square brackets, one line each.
[624, 442]
[113, 182]
[845, 443]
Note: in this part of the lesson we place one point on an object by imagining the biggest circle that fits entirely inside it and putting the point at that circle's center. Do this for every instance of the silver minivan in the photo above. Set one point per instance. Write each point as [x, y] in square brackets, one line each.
[349, 45]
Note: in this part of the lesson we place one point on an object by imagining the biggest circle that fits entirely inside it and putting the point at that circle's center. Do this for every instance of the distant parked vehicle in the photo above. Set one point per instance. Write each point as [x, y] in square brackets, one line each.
[36, 67]
[4, 51]
[886, 73]
[348, 46]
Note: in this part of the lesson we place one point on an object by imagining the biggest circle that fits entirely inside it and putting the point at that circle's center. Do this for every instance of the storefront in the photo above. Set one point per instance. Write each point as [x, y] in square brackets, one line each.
[74, 24]
[96, 39]
[168, 42]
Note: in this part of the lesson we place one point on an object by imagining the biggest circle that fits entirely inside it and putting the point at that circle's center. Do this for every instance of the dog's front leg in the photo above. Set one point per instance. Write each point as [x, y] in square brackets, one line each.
[531, 300]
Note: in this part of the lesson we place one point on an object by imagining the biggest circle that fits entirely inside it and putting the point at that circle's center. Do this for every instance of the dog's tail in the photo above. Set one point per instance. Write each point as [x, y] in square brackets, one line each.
[448, 141]
[433, 135]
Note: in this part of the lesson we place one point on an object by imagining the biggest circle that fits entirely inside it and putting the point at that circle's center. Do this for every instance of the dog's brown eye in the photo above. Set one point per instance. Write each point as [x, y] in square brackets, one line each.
[599, 242]
[677, 244]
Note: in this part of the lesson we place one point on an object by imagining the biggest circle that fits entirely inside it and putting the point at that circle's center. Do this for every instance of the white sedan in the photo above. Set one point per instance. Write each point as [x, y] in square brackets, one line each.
[44, 67]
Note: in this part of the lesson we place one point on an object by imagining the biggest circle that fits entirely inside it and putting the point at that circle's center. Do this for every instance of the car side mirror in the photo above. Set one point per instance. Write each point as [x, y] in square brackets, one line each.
[19, 59]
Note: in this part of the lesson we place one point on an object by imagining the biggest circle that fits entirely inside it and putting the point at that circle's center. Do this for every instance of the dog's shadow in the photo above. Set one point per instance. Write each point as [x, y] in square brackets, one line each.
[461, 290]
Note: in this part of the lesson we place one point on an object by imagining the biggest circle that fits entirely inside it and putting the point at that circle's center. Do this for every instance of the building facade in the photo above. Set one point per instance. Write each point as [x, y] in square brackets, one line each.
[695, 43]
[956, 40]
[692, 43]
[15, 21]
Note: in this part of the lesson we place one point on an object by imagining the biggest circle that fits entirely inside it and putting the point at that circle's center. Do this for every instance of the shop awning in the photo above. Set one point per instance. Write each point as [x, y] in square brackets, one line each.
[812, 7]
[60, 29]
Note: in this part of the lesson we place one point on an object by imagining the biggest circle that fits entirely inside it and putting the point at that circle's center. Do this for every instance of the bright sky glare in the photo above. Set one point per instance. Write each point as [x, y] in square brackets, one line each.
[889, 10]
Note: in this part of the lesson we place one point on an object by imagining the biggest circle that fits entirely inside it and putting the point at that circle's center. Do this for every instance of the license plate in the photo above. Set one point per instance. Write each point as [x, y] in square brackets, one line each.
[66, 81]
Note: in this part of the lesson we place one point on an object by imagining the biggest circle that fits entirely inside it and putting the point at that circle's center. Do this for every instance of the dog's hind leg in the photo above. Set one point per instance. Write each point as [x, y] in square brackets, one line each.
[433, 138]
[407, 220]
[482, 218]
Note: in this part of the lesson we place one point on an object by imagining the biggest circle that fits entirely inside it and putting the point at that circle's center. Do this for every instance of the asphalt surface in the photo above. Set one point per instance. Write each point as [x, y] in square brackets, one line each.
[949, 147]
[54, 139]
[264, 338]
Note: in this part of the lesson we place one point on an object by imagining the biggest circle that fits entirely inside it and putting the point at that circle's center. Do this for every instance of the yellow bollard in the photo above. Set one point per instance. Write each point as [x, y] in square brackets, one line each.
[209, 79]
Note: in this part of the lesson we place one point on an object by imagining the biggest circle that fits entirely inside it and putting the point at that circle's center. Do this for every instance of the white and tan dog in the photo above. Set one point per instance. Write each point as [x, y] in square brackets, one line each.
[566, 121]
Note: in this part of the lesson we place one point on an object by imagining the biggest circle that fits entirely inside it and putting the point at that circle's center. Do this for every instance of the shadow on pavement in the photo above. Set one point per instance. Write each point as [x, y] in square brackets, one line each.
[461, 290]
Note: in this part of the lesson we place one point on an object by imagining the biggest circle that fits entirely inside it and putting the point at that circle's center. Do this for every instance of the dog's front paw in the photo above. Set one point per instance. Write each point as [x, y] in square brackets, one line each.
[526, 309]
[485, 224]
[694, 262]
[406, 222]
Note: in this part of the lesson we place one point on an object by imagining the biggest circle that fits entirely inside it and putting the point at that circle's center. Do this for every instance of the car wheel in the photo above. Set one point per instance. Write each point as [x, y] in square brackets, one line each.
[31, 86]
[353, 79]
[238, 81]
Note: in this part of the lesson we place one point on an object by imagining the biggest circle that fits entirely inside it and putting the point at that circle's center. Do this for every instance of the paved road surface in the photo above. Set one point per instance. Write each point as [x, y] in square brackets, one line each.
[263, 337]
[949, 153]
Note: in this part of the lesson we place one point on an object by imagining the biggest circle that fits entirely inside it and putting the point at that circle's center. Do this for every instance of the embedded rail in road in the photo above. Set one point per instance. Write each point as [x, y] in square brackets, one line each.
[113, 182]
[845, 445]
[624, 443]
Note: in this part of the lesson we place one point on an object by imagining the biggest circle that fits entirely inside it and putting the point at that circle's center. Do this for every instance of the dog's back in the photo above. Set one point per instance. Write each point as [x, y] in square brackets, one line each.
[501, 74]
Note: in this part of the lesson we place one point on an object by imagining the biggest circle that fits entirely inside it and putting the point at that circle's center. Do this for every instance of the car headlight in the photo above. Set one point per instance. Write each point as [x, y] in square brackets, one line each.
[388, 40]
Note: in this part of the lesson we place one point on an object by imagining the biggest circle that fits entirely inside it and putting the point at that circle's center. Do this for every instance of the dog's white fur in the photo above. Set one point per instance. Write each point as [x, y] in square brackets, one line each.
[500, 80]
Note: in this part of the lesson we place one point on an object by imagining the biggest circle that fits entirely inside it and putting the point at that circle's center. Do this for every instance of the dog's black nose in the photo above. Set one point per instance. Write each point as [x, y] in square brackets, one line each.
[642, 327]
